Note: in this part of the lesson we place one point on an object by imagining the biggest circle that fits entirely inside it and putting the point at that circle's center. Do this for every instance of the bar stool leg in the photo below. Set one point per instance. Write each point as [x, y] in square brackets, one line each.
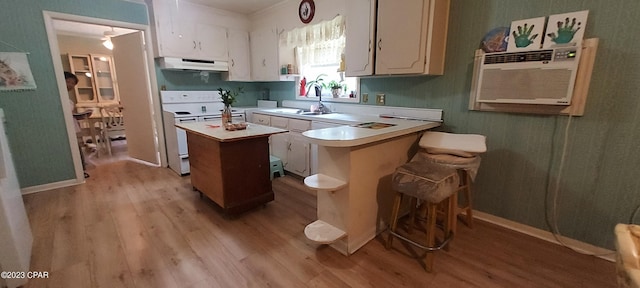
[432, 213]
[412, 215]
[394, 218]
[446, 221]
[467, 183]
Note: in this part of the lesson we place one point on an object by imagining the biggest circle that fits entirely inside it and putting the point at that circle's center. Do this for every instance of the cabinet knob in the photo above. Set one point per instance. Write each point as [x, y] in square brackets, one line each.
[380, 44]
[194, 44]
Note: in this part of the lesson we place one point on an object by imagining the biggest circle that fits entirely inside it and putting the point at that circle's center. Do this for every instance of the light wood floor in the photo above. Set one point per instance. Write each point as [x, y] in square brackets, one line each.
[136, 226]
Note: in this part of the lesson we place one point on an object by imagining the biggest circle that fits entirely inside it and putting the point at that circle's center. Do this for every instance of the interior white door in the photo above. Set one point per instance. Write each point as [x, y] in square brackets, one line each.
[130, 61]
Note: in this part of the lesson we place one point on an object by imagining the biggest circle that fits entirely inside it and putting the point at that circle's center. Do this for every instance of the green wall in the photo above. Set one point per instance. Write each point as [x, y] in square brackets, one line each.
[600, 180]
[35, 122]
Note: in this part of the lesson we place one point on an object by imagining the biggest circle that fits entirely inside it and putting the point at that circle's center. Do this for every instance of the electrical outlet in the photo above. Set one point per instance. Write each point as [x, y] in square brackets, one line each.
[365, 97]
[380, 99]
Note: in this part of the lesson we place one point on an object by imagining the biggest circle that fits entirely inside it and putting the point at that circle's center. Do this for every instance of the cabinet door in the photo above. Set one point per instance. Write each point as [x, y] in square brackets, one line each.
[401, 37]
[104, 79]
[174, 31]
[298, 155]
[360, 33]
[80, 65]
[211, 42]
[239, 56]
[280, 146]
[264, 55]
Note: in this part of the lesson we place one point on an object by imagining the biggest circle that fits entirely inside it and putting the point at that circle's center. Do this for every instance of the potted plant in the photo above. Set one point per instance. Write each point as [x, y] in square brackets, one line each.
[318, 84]
[228, 97]
[336, 88]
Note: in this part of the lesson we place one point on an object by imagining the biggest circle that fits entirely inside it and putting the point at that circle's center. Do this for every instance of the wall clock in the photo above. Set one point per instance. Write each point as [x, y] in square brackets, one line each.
[306, 11]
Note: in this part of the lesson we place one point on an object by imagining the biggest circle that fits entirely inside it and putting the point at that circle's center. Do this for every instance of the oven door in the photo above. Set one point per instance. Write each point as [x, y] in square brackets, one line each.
[182, 135]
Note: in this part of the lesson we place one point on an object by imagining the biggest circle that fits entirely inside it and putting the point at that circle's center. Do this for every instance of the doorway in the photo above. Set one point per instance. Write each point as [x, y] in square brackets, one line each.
[147, 142]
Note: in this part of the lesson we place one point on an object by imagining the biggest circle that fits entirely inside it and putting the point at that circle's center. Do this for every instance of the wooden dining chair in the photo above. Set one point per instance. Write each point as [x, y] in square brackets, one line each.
[112, 124]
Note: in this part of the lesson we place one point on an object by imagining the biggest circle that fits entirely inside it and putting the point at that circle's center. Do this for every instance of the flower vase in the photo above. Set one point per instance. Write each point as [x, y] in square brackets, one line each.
[226, 115]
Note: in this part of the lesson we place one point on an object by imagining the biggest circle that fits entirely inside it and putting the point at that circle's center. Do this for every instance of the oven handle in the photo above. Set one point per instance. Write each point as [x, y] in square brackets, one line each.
[208, 118]
[186, 120]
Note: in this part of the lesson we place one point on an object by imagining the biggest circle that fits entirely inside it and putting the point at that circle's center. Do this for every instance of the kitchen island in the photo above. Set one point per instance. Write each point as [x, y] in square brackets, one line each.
[230, 167]
[355, 166]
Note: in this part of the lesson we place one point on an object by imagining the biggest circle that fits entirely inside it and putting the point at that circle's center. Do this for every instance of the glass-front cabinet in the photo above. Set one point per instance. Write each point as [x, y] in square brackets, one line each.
[97, 85]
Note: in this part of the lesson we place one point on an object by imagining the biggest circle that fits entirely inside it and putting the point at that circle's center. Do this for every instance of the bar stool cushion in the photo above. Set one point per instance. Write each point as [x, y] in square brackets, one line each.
[469, 164]
[426, 180]
[462, 145]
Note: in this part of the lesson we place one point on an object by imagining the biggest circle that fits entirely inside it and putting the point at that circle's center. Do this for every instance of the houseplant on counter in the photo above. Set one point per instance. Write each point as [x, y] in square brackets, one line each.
[317, 84]
[336, 88]
[228, 97]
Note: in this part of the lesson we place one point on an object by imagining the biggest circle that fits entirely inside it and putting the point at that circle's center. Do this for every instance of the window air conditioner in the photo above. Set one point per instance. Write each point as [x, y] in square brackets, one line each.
[531, 77]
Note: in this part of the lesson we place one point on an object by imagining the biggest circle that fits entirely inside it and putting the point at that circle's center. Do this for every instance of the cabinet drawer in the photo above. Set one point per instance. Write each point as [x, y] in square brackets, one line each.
[299, 125]
[279, 122]
[261, 119]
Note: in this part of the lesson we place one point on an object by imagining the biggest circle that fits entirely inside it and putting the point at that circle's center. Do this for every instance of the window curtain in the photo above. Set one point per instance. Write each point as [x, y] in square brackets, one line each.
[318, 44]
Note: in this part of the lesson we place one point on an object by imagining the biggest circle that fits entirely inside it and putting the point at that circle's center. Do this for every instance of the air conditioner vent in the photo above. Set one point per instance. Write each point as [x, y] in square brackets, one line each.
[528, 56]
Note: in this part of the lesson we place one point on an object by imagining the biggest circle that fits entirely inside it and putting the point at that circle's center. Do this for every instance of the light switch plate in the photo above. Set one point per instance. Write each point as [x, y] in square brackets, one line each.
[380, 99]
[365, 97]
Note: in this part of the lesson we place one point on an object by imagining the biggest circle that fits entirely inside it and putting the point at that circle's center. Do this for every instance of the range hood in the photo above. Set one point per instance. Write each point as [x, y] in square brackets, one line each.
[173, 63]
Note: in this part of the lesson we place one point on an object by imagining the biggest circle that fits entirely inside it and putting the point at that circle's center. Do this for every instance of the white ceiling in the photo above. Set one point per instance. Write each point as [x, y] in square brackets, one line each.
[97, 31]
[239, 6]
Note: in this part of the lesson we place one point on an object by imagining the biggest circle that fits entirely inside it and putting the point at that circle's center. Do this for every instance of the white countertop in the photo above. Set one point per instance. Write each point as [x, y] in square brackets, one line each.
[349, 136]
[214, 130]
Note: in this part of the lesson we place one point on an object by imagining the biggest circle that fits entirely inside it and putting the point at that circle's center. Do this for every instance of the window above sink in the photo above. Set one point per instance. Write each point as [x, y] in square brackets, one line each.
[317, 52]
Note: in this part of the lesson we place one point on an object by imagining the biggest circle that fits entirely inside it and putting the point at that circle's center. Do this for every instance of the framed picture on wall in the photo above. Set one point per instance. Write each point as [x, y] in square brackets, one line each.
[15, 72]
[565, 29]
[526, 34]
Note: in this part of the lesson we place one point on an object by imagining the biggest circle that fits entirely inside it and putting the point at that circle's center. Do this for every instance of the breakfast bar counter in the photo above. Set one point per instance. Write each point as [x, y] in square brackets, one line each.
[230, 167]
[355, 166]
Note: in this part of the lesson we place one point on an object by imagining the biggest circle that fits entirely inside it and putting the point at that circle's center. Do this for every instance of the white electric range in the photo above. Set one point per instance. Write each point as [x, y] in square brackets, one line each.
[189, 106]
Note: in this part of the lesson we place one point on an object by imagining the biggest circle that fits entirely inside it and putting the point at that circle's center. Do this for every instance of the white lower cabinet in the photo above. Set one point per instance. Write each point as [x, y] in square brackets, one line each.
[292, 148]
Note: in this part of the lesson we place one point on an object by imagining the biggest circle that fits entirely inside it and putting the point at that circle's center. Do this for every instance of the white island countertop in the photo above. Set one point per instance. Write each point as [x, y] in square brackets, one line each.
[214, 130]
[359, 134]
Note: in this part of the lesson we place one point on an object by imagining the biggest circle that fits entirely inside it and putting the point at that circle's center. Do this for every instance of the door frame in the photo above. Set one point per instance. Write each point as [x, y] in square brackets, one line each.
[49, 17]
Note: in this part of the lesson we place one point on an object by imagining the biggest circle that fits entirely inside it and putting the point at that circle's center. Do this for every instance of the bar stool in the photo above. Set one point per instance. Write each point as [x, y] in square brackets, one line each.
[432, 184]
[459, 151]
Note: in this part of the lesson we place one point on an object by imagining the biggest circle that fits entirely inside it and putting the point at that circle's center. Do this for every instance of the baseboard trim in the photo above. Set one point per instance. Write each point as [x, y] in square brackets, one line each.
[582, 247]
[49, 186]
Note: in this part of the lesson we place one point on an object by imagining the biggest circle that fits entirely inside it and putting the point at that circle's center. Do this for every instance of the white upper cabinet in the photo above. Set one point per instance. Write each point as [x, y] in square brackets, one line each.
[264, 55]
[360, 33]
[409, 38]
[239, 56]
[181, 31]
[211, 42]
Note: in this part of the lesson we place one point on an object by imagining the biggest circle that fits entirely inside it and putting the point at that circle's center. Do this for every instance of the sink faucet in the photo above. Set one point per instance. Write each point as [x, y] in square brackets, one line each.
[321, 107]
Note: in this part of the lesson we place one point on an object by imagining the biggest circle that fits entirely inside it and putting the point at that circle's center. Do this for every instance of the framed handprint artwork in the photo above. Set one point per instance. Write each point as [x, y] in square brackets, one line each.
[565, 29]
[526, 34]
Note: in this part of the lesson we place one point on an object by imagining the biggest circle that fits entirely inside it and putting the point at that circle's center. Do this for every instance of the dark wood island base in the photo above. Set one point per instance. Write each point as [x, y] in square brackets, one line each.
[234, 174]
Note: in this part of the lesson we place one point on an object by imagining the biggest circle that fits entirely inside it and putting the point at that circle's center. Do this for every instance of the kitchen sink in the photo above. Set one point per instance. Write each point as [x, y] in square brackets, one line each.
[314, 113]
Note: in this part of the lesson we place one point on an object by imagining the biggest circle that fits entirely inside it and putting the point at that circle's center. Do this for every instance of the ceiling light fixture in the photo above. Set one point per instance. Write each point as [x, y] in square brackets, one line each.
[107, 39]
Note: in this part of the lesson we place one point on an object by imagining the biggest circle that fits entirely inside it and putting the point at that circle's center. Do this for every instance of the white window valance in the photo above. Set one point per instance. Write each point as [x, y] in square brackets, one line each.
[321, 32]
[319, 44]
